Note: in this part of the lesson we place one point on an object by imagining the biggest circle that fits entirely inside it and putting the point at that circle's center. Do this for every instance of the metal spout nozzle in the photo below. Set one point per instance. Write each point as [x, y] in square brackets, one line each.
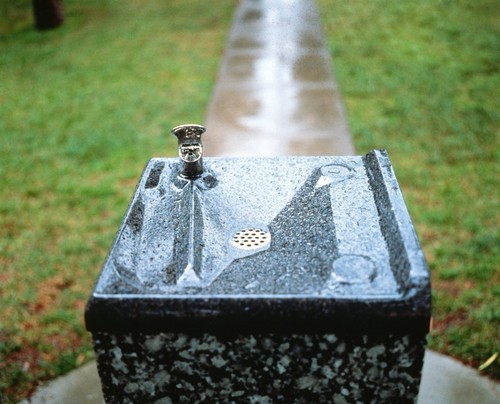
[190, 149]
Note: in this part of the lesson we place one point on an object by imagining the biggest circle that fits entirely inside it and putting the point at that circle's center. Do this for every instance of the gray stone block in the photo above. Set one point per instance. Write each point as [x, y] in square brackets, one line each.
[295, 279]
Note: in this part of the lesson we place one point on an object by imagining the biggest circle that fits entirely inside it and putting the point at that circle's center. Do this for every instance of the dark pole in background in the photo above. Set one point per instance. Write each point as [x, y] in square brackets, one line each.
[48, 14]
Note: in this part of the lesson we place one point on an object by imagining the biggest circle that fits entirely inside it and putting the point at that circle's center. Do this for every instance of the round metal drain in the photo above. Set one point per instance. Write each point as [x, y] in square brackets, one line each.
[250, 239]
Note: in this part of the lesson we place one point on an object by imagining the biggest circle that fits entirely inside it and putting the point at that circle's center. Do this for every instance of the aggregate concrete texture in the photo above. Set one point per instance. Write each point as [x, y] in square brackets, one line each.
[444, 381]
[276, 94]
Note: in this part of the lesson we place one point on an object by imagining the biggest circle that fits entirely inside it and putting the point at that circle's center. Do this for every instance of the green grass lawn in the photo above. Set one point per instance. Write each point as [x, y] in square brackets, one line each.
[83, 107]
[422, 80]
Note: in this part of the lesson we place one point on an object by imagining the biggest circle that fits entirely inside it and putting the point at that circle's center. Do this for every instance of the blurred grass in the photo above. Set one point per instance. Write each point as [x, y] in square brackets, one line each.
[82, 108]
[422, 80]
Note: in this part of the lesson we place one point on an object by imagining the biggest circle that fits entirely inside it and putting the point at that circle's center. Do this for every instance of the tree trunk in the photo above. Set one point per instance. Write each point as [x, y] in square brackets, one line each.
[48, 14]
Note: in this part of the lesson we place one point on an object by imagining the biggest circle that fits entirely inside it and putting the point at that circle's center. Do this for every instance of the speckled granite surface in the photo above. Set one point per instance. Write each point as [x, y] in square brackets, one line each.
[181, 368]
[333, 305]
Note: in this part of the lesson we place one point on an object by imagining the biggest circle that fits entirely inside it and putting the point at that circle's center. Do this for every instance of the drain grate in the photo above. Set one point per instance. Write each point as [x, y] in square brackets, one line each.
[251, 238]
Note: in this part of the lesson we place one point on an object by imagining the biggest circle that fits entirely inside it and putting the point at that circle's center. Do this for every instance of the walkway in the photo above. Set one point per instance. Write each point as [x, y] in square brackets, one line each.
[275, 95]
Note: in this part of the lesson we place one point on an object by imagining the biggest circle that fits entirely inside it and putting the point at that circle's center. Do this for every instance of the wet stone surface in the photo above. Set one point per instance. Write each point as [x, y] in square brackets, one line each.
[293, 279]
[327, 235]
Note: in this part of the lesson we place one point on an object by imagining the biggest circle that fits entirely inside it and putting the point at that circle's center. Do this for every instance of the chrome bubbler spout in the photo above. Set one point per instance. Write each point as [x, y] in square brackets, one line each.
[190, 149]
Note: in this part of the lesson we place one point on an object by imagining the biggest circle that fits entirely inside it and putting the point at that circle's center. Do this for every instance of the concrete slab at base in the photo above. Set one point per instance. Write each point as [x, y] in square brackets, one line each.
[446, 381]
[81, 386]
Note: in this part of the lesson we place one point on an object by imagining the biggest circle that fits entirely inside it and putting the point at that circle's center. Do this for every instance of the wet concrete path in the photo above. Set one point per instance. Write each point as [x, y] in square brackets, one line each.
[275, 94]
